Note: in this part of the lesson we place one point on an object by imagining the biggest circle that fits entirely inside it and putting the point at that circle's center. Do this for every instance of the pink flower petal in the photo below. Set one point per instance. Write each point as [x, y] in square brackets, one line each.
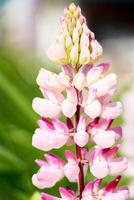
[46, 108]
[81, 138]
[68, 108]
[93, 110]
[45, 196]
[100, 169]
[117, 166]
[105, 139]
[66, 193]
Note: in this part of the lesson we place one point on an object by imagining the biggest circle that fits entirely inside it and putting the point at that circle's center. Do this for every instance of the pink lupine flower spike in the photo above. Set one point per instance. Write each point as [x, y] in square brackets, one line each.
[77, 108]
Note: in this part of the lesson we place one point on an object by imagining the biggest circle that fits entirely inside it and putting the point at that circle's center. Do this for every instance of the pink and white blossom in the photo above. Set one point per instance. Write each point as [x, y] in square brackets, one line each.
[103, 162]
[52, 168]
[50, 135]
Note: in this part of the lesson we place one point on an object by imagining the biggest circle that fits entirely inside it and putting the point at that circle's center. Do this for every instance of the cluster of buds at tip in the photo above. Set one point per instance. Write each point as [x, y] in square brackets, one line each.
[75, 43]
[84, 97]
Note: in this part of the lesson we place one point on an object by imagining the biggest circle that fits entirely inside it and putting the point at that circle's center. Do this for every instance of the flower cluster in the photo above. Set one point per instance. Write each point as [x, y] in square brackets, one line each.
[82, 92]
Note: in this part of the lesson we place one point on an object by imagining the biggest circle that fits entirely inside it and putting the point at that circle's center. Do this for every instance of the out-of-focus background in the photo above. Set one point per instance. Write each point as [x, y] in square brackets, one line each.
[27, 28]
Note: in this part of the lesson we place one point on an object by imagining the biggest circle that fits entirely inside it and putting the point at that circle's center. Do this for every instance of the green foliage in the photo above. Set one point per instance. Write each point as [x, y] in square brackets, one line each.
[17, 124]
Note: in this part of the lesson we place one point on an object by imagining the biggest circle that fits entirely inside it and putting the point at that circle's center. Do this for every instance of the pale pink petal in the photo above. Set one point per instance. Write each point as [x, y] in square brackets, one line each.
[93, 110]
[68, 108]
[96, 49]
[111, 80]
[105, 139]
[43, 179]
[57, 53]
[99, 169]
[85, 28]
[60, 126]
[40, 140]
[112, 110]
[105, 84]
[58, 139]
[71, 171]
[46, 108]
[81, 138]
[57, 82]
[115, 196]
[91, 96]
[124, 190]
[54, 96]
[41, 163]
[43, 77]
[117, 166]
[79, 81]
[94, 74]
[72, 95]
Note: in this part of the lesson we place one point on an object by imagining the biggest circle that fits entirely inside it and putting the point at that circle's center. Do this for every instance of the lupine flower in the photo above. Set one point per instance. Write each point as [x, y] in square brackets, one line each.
[57, 103]
[50, 172]
[50, 80]
[50, 135]
[103, 136]
[103, 162]
[82, 93]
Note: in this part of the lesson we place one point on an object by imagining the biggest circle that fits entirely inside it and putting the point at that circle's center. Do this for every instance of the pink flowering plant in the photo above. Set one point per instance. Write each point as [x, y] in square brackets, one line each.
[82, 92]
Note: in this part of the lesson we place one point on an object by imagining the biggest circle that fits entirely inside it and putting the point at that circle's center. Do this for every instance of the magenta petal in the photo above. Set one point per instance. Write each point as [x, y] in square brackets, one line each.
[113, 184]
[69, 123]
[45, 196]
[66, 193]
[69, 155]
[54, 160]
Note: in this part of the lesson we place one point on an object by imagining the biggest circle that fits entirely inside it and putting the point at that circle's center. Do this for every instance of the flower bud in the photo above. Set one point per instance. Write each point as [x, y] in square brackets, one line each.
[84, 56]
[74, 54]
[74, 31]
[75, 36]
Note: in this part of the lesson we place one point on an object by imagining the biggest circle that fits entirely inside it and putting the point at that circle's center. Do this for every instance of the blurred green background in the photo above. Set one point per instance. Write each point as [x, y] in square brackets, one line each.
[27, 28]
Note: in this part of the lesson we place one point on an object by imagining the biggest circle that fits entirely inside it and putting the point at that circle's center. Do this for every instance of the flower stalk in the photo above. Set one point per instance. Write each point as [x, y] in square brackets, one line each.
[78, 151]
